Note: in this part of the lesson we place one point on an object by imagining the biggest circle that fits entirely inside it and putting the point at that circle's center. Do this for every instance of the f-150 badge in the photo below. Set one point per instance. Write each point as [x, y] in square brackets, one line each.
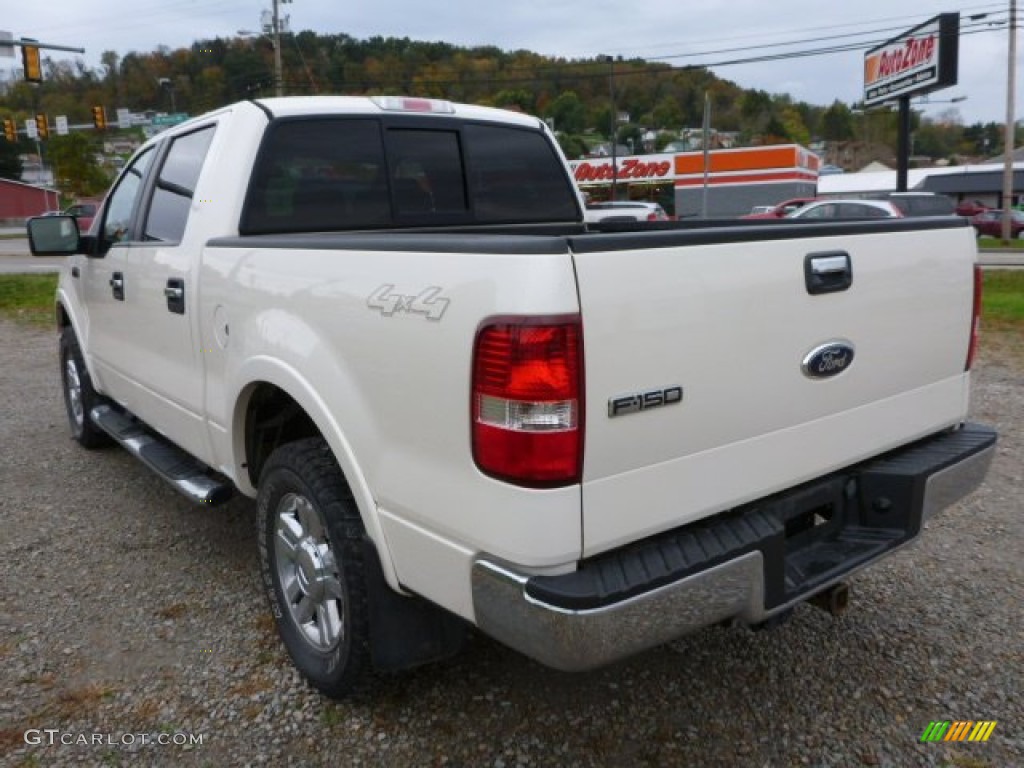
[427, 302]
[643, 401]
[828, 360]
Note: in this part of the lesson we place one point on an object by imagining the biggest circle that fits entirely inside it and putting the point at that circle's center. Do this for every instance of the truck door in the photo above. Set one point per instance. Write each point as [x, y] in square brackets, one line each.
[159, 327]
[102, 281]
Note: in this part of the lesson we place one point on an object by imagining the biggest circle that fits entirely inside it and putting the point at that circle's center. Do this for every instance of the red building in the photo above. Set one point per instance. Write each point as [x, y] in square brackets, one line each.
[18, 201]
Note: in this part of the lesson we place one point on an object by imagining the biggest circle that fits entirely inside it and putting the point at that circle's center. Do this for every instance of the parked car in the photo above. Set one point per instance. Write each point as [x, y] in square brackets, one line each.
[918, 203]
[84, 212]
[624, 210]
[970, 208]
[990, 223]
[847, 209]
[781, 210]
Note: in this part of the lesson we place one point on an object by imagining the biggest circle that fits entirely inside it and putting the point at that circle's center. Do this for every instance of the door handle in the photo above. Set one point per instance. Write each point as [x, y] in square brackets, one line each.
[117, 286]
[174, 292]
[827, 272]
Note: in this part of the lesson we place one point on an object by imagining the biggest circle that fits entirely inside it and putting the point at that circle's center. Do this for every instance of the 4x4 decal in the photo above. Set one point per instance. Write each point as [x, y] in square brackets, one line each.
[427, 302]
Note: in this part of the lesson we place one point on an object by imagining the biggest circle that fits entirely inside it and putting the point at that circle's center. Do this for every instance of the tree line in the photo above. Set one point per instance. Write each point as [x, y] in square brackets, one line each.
[576, 95]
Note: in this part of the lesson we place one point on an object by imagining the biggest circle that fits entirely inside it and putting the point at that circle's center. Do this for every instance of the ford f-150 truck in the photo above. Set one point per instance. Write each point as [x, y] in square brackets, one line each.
[458, 405]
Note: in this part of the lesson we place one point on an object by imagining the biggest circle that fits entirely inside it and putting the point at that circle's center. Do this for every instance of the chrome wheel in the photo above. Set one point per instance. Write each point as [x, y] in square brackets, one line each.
[73, 387]
[308, 572]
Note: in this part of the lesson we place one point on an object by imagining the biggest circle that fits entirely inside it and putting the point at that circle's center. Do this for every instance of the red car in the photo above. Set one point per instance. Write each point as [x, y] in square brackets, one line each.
[970, 208]
[990, 223]
[783, 209]
[84, 212]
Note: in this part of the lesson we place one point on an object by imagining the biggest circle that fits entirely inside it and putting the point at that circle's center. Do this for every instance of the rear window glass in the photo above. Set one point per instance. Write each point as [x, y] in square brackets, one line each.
[427, 174]
[517, 177]
[334, 174]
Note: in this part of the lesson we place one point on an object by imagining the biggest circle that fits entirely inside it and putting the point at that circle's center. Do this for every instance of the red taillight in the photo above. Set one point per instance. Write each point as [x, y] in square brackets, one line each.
[527, 401]
[652, 217]
[975, 319]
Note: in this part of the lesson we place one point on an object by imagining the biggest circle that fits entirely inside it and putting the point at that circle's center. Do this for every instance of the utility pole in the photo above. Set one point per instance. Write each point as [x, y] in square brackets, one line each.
[1011, 84]
[614, 125]
[706, 145]
[903, 144]
[277, 23]
[278, 84]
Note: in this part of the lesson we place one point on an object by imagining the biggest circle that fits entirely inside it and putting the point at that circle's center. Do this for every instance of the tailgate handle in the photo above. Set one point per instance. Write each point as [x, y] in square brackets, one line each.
[828, 272]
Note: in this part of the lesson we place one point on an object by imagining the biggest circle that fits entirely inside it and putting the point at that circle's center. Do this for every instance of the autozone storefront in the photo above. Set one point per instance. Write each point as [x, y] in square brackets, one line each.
[650, 178]
[734, 181]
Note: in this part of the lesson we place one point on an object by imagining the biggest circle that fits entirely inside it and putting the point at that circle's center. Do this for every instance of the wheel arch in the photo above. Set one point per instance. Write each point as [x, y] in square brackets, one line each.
[275, 406]
[65, 316]
[62, 316]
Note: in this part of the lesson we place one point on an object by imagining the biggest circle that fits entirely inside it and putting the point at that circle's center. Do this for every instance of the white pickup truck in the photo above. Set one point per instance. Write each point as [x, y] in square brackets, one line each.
[457, 404]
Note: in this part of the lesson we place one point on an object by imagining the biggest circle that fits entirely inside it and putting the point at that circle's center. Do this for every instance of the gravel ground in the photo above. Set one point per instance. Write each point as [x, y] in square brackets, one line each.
[129, 617]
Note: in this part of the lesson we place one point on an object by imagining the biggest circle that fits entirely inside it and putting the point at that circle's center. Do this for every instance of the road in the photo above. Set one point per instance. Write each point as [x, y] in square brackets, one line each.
[15, 259]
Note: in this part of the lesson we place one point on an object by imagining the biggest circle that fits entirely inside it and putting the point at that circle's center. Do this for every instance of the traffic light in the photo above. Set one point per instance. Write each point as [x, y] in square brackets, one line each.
[10, 130]
[41, 127]
[99, 118]
[30, 61]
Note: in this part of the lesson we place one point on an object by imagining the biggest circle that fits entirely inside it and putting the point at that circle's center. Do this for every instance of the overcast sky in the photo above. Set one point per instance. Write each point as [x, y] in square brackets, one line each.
[680, 32]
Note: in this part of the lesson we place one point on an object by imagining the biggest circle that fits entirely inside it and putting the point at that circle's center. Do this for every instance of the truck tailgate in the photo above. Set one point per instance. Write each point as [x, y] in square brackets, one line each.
[727, 315]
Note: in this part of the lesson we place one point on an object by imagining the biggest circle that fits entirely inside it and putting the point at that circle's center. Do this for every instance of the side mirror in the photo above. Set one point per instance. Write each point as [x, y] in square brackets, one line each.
[53, 235]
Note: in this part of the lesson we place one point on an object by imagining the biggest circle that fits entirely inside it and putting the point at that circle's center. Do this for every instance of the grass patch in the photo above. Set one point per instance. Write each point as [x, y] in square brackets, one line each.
[1003, 298]
[28, 298]
[995, 242]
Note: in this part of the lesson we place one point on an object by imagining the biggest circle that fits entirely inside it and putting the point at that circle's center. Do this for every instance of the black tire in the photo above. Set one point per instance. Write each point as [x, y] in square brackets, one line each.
[79, 395]
[311, 557]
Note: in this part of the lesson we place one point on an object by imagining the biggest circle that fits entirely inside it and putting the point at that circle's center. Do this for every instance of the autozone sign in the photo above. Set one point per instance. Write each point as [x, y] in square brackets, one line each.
[920, 60]
[645, 168]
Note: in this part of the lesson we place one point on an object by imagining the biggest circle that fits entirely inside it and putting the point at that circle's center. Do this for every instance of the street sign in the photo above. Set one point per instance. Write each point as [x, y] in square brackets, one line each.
[62, 125]
[6, 46]
[124, 118]
[171, 119]
[30, 128]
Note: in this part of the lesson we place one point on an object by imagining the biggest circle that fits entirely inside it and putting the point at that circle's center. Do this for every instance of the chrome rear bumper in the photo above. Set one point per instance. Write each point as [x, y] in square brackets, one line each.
[569, 634]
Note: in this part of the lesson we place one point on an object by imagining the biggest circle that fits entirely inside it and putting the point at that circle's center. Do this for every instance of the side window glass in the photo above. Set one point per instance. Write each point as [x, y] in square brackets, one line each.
[172, 197]
[122, 200]
[319, 174]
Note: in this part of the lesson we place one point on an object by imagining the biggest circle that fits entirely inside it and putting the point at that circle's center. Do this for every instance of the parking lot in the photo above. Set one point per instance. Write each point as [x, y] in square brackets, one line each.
[128, 616]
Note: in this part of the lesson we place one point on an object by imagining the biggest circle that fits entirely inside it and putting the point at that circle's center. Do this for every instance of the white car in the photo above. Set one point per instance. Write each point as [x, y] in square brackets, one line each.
[847, 209]
[624, 210]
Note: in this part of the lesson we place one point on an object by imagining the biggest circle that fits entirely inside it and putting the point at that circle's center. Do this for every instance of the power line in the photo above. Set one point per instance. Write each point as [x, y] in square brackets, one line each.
[796, 42]
[906, 20]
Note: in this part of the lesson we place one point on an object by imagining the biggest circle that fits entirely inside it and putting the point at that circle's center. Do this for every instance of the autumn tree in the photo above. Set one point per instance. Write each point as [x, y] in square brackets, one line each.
[10, 162]
[568, 112]
[837, 122]
[76, 171]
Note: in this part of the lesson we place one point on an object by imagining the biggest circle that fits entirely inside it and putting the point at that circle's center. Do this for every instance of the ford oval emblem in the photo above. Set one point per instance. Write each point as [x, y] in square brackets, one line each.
[828, 360]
